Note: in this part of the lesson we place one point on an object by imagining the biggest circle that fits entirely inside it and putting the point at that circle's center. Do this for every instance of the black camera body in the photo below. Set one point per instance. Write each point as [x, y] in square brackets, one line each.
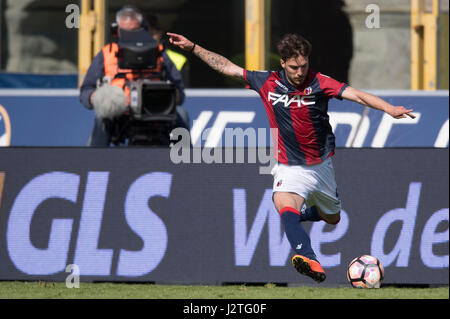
[152, 109]
[137, 50]
[152, 100]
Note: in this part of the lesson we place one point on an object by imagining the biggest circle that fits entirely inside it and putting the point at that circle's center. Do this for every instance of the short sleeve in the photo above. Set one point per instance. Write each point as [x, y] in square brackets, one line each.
[331, 87]
[256, 79]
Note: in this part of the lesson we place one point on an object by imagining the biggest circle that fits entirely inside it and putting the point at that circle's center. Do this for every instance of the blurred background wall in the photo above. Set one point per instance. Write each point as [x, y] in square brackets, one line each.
[35, 39]
[381, 56]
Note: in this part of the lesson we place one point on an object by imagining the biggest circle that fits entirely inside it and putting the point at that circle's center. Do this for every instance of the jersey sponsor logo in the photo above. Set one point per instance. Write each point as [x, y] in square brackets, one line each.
[5, 128]
[286, 101]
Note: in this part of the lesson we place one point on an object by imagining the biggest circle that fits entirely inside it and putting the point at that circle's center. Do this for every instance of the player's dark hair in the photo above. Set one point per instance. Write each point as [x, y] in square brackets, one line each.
[293, 45]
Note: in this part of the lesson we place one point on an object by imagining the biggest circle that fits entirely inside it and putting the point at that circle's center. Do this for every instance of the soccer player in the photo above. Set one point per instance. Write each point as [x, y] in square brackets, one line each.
[296, 102]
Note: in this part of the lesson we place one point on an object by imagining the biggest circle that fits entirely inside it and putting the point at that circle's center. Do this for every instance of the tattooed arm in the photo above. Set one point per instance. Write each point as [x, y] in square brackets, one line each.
[214, 60]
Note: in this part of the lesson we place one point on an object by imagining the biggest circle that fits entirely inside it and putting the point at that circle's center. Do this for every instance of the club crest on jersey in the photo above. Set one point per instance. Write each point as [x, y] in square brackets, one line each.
[307, 91]
[294, 100]
[279, 183]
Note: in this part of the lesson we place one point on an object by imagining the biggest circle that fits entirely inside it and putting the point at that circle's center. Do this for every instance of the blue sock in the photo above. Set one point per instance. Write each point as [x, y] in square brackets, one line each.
[297, 236]
[310, 214]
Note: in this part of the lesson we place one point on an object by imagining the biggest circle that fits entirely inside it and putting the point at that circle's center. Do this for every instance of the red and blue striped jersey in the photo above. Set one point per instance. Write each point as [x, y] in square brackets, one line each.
[299, 115]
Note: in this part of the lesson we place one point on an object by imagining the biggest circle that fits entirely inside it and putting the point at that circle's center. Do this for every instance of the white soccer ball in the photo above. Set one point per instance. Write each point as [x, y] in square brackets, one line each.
[365, 272]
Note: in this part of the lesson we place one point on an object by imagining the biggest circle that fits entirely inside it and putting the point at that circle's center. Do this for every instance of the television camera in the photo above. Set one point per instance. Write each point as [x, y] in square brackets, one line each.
[151, 113]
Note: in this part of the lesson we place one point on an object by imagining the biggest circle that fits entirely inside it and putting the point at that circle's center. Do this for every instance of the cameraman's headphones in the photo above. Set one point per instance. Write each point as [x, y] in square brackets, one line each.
[114, 27]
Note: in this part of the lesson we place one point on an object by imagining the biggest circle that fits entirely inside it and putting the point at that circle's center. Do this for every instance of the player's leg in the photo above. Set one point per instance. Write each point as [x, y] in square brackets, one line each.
[313, 213]
[332, 219]
[288, 205]
[285, 185]
[310, 214]
[325, 196]
[287, 199]
[305, 261]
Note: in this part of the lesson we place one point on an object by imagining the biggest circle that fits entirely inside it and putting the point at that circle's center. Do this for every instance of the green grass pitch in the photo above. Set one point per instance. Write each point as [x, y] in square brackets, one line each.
[48, 290]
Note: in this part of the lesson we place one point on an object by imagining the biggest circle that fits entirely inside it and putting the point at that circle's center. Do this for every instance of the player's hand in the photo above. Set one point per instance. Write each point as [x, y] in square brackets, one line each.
[400, 112]
[180, 41]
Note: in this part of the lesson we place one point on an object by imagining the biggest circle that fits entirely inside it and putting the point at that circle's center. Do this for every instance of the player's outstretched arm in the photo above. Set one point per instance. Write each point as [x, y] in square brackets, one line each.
[214, 60]
[375, 102]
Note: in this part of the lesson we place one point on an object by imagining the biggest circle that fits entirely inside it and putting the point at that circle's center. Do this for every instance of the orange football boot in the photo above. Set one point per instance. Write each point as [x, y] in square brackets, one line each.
[309, 267]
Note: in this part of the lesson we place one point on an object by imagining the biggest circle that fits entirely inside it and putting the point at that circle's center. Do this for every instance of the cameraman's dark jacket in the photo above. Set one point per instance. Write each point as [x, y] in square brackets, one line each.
[96, 72]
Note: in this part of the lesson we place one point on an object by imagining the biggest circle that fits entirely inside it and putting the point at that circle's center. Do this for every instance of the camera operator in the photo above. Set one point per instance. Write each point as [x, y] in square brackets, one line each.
[105, 69]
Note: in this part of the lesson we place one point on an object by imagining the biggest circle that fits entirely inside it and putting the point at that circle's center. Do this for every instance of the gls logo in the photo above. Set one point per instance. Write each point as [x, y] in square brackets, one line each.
[296, 99]
[5, 128]
[90, 260]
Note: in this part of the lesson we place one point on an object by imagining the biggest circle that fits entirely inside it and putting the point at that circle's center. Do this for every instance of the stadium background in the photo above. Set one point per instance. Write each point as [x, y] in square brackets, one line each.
[393, 177]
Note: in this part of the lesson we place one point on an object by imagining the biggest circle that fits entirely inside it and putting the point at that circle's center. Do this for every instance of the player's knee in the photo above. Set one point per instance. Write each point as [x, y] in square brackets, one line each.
[284, 199]
[288, 210]
[333, 219]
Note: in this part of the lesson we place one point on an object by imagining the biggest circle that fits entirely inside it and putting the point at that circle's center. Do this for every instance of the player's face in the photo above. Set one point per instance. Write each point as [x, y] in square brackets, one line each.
[129, 24]
[296, 69]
